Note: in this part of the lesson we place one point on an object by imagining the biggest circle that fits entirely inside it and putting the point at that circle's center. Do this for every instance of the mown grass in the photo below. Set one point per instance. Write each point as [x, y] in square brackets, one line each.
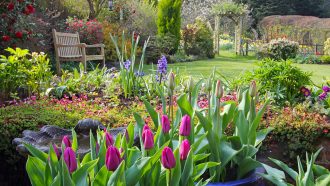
[232, 66]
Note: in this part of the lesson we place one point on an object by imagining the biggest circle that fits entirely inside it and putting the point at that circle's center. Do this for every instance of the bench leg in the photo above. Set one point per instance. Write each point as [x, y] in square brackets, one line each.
[84, 59]
[58, 66]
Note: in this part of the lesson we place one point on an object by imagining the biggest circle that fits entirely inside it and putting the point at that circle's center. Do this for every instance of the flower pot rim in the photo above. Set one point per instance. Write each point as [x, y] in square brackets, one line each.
[248, 180]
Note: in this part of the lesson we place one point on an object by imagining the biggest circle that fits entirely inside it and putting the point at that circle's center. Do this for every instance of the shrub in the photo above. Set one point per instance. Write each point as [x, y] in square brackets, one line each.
[15, 29]
[327, 47]
[90, 32]
[198, 40]
[282, 49]
[307, 59]
[23, 72]
[281, 80]
[169, 19]
[325, 59]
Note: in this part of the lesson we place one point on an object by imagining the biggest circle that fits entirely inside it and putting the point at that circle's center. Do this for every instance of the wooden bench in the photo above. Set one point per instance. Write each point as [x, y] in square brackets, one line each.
[68, 48]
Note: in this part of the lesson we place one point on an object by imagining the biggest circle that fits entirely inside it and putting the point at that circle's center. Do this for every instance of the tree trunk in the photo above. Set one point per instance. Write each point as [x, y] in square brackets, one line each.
[238, 36]
[91, 9]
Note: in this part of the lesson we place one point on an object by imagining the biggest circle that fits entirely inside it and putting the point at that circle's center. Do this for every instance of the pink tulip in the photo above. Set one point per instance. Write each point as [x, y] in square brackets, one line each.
[184, 149]
[166, 126]
[148, 139]
[109, 139]
[185, 126]
[70, 159]
[112, 158]
[145, 127]
[167, 159]
[66, 141]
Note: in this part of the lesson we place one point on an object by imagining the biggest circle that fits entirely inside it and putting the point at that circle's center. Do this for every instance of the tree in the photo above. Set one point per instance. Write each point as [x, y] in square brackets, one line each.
[169, 19]
[95, 7]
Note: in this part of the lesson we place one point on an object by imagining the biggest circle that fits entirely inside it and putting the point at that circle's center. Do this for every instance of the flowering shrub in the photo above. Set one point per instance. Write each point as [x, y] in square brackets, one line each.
[307, 59]
[198, 40]
[282, 49]
[14, 25]
[90, 32]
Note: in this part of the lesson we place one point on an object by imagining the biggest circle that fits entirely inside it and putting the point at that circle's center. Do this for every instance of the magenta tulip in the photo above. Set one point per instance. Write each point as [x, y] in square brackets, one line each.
[184, 149]
[70, 159]
[66, 141]
[185, 126]
[166, 126]
[167, 159]
[109, 139]
[145, 127]
[112, 158]
[57, 151]
[148, 139]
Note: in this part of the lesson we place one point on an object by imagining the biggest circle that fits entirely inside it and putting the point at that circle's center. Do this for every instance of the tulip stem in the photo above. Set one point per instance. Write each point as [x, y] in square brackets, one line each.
[170, 177]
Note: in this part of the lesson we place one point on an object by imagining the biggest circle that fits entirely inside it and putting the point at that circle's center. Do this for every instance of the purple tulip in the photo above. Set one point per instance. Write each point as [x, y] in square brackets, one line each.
[185, 126]
[326, 89]
[166, 126]
[70, 159]
[112, 158]
[167, 159]
[148, 139]
[145, 127]
[66, 141]
[57, 151]
[184, 149]
[109, 139]
[97, 147]
[323, 96]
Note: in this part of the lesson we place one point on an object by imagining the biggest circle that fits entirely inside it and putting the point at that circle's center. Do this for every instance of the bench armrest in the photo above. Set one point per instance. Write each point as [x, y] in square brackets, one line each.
[80, 45]
[96, 46]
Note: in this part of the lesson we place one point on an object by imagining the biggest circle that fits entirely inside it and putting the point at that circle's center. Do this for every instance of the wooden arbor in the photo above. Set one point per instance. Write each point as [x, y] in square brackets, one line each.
[68, 48]
[234, 12]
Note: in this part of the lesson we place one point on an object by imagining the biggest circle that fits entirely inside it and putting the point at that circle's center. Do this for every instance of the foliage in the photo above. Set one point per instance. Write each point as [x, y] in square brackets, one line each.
[90, 32]
[319, 100]
[78, 82]
[229, 8]
[15, 28]
[22, 70]
[130, 80]
[307, 59]
[160, 45]
[198, 40]
[327, 47]
[325, 59]
[298, 127]
[169, 19]
[282, 49]
[314, 174]
[279, 80]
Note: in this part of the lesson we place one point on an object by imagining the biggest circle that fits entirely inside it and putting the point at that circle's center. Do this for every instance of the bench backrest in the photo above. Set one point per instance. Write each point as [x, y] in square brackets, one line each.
[66, 39]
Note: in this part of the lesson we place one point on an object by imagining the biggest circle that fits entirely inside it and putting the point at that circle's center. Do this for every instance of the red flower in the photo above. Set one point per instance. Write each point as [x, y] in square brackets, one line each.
[5, 38]
[11, 6]
[325, 131]
[29, 9]
[19, 34]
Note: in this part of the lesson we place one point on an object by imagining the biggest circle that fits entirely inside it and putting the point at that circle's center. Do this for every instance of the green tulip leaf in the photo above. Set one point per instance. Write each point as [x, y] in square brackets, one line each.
[153, 114]
[36, 170]
[188, 169]
[102, 177]
[36, 152]
[118, 176]
[80, 176]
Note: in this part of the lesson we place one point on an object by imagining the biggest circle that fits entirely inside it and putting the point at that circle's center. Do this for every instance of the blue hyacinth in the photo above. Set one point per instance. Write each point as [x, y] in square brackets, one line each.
[127, 64]
[139, 74]
[161, 69]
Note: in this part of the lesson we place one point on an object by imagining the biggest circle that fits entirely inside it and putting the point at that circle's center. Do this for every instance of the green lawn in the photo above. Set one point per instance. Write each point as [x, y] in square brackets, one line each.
[231, 66]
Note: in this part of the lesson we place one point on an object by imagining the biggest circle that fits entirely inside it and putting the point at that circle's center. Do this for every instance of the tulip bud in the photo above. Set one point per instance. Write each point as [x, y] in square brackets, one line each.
[167, 159]
[166, 126]
[57, 151]
[108, 139]
[145, 127]
[66, 141]
[190, 84]
[184, 149]
[97, 147]
[253, 89]
[218, 90]
[148, 139]
[171, 82]
[112, 158]
[209, 85]
[185, 126]
[70, 159]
